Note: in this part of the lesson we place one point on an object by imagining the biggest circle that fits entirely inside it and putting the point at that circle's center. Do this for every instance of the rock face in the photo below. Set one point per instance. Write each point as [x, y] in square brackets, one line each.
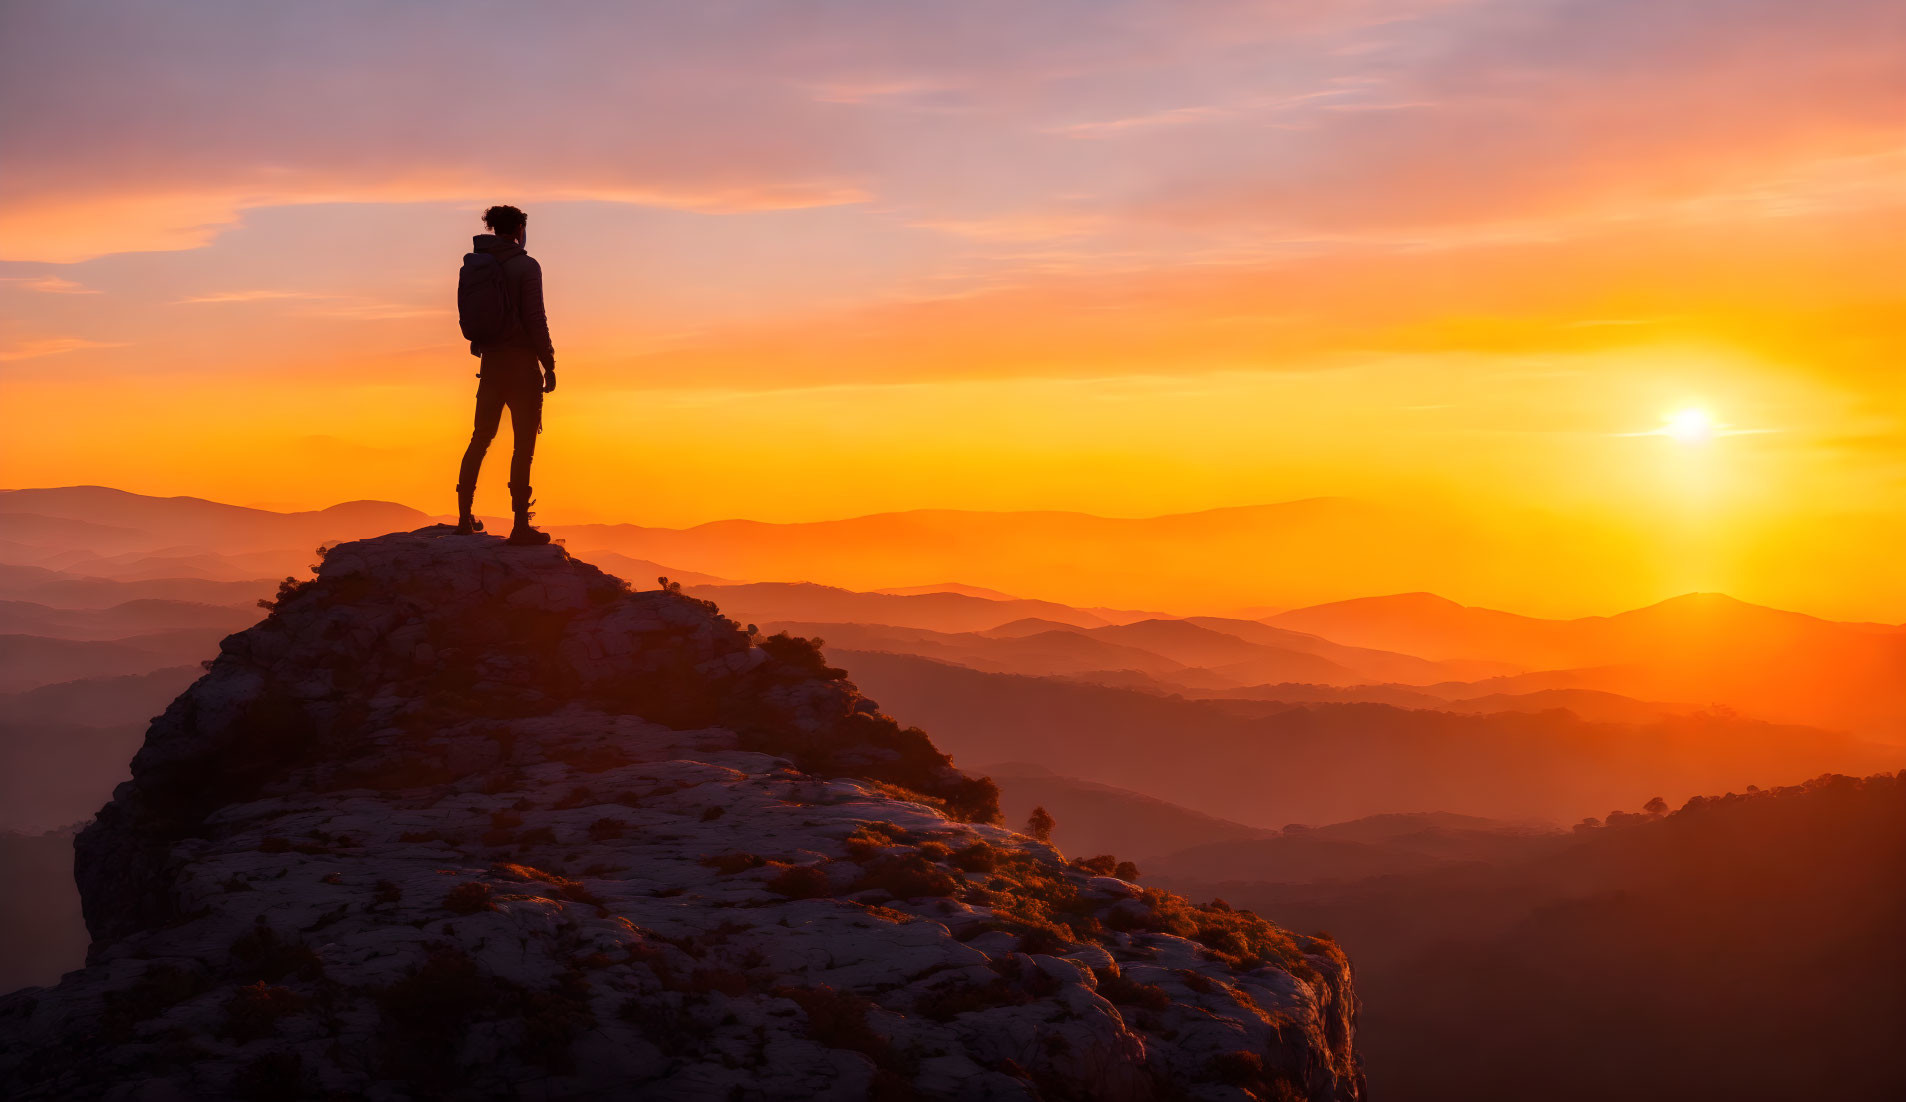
[463, 820]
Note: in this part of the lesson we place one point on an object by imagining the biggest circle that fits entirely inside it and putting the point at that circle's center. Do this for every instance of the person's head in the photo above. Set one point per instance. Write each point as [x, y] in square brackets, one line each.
[506, 221]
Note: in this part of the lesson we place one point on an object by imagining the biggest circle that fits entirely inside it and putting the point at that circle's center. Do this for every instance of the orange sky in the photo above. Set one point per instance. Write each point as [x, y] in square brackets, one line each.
[816, 260]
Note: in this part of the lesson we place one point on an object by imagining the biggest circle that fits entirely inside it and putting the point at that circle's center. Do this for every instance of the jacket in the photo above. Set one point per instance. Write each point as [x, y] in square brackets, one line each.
[531, 329]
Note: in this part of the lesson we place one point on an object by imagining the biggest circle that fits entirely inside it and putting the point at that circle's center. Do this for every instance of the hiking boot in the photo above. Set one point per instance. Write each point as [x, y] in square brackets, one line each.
[524, 535]
[467, 523]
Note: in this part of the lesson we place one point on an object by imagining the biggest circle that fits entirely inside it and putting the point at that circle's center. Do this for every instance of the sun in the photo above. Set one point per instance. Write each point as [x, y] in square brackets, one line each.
[1690, 426]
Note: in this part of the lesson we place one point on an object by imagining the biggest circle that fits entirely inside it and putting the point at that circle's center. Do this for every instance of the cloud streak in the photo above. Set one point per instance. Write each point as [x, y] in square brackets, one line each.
[53, 346]
[49, 284]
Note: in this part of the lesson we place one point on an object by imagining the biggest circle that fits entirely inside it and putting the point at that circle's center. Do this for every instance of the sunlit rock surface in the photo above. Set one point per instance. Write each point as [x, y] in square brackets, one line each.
[464, 820]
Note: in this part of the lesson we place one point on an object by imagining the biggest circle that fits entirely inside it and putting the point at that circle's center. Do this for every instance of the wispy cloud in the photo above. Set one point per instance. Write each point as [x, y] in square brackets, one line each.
[856, 92]
[248, 296]
[1185, 116]
[733, 199]
[1404, 105]
[54, 346]
[322, 304]
[1025, 227]
[49, 284]
[1175, 116]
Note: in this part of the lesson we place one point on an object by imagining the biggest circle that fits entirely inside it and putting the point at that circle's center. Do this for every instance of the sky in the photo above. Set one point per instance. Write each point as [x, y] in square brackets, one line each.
[1631, 266]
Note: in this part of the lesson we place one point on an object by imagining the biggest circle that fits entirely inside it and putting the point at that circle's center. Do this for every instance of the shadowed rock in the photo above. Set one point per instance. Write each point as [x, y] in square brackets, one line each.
[462, 820]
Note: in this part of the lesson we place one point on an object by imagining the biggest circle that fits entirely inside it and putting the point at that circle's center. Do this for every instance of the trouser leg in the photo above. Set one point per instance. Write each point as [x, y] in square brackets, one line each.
[489, 414]
[526, 419]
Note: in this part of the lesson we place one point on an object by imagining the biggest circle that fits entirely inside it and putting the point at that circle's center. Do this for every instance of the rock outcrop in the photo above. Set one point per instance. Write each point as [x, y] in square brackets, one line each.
[464, 820]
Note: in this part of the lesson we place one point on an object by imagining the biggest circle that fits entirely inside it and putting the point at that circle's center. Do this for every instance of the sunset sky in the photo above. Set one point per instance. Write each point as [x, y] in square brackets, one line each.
[1630, 270]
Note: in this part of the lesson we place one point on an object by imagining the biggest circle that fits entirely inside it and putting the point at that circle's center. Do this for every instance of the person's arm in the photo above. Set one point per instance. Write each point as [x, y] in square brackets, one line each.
[536, 322]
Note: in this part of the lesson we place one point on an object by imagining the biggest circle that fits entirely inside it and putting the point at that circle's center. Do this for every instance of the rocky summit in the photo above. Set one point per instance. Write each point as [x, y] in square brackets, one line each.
[460, 820]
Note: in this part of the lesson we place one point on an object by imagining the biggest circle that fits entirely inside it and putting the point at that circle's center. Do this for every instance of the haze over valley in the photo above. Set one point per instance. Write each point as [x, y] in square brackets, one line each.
[1332, 762]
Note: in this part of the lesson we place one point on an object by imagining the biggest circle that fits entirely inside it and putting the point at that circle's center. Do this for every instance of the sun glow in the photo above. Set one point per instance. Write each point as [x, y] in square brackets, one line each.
[1690, 426]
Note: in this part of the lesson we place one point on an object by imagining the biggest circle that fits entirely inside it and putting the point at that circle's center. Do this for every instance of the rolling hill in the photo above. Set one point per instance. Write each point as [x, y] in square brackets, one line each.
[1705, 648]
[1744, 947]
[1334, 762]
[1097, 818]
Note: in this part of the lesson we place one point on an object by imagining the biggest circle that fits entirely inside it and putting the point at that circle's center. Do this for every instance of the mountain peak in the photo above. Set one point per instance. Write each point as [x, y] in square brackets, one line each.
[458, 817]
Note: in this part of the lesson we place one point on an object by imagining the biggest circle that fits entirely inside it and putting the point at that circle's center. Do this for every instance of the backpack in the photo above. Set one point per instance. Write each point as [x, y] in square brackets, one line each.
[485, 311]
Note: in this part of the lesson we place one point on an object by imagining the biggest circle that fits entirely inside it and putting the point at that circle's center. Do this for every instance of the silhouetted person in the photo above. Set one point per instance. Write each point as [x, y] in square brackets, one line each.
[500, 307]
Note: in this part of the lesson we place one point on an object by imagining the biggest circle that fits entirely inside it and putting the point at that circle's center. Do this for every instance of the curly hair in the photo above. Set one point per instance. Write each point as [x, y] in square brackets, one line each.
[505, 220]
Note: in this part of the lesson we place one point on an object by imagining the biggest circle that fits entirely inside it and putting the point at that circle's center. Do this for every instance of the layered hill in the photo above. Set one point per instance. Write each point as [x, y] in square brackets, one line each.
[1103, 818]
[1746, 947]
[461, 820]
[1270, 763]
[1703, 647]
[110, 521]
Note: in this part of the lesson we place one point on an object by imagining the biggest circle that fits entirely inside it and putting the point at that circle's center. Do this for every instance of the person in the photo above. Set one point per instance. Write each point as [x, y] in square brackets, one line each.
[518, 368]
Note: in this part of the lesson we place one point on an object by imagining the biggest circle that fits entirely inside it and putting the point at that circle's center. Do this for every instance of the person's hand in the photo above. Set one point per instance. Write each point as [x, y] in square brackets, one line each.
[549, 380]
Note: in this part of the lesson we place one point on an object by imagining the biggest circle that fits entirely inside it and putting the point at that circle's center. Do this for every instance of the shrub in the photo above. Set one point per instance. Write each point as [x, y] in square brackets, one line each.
[837, 1019]
[909, 876]
[1197, 981]
[855, 743]
[801, 882]
[949, 1000]
[252, 1012]
[287, 589]
[886, 914]
[1107, 865]
[801, 656]
[978, 857]
[972, 799]
[1238, 938]
[1043, 939]
[605, 830]
[1125, 992]
[468, 898]
[729, 864]
[1237, 1069]
[870, 838]
[1039, 824]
